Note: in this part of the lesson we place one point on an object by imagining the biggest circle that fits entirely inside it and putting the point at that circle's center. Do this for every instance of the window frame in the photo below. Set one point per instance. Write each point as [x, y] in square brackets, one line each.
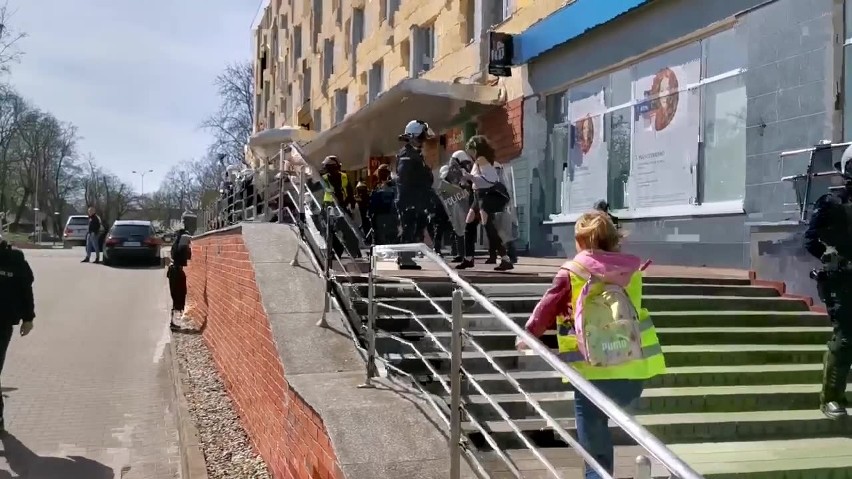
[629, 212]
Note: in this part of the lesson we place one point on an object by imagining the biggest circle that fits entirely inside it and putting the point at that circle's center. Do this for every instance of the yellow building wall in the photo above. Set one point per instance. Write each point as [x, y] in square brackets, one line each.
[454, 59]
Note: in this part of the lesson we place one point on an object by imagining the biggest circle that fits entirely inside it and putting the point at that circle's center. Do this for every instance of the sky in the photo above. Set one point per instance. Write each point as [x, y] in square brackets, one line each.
[135, 76]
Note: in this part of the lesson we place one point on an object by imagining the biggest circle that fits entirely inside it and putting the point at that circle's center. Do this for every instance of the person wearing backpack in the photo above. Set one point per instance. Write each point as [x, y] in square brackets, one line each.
[595, 306]
[180, 255]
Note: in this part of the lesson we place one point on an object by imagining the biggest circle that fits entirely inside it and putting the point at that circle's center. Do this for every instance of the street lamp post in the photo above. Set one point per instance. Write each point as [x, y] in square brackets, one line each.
[142, 174]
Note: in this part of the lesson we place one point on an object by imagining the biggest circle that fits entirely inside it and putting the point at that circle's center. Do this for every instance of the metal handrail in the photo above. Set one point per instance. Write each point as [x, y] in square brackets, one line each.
[640, 434]
[567, 437]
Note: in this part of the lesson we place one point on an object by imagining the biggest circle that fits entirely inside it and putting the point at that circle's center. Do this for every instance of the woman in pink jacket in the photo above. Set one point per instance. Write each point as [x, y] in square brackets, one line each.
[597, 242]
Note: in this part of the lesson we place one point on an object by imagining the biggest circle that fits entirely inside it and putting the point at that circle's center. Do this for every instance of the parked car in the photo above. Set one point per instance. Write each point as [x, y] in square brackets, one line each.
[132, 240]
[75, 230]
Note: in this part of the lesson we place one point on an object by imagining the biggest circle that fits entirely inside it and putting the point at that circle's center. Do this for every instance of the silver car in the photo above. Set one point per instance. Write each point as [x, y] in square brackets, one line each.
[75, 230]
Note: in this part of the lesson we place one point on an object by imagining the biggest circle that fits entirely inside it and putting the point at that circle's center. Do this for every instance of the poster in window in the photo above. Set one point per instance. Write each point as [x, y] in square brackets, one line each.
[665, 136]
[587, 157]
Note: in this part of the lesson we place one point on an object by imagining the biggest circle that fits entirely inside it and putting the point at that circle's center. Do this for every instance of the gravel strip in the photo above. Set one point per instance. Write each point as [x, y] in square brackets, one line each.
[226, 447]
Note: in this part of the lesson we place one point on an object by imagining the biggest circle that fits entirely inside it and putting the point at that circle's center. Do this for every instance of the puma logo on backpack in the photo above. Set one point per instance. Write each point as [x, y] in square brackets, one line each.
[606, 321]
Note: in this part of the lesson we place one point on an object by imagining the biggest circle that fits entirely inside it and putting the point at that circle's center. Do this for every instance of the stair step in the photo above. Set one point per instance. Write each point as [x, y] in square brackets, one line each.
[660, 400]
[662, 319]
[676, 377]
[496, 340]
[689, 427]
[521, 304]
[818, 458]
[694, 355]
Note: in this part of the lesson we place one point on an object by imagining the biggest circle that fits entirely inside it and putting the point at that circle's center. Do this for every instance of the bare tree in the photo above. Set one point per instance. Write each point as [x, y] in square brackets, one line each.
[231, 125]
[9, 39]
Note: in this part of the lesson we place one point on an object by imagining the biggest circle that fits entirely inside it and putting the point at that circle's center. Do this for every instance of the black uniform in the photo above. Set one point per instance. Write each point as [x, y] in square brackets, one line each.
[829, 238]
[413, 197]
[16, 298]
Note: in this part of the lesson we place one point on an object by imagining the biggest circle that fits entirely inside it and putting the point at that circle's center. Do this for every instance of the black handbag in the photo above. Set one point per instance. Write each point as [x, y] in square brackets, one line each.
[495, 198]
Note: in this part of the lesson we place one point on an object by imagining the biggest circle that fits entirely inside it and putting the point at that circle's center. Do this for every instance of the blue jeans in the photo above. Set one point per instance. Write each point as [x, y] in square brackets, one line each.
[592, 424]
[92, 245]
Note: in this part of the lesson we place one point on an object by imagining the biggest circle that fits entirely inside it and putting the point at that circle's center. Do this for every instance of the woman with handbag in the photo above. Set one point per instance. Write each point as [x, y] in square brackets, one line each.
[491, 197]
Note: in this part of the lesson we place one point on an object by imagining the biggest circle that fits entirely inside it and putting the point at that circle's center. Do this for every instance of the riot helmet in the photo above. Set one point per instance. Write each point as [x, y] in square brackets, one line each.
[844, 166]
[416, 132]
[602, 205]
[462, 159]
[445, 170]
[331, 164]
[190, 222]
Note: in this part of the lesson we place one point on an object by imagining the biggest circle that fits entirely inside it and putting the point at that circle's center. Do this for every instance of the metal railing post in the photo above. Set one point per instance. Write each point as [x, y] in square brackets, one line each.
[300, 200]
[329, 258]
[371, 324]
[643, 468]
[455, 386]
[281, 198]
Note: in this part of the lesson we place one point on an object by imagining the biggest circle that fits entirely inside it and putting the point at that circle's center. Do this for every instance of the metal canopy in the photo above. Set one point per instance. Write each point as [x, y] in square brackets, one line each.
[374, 129]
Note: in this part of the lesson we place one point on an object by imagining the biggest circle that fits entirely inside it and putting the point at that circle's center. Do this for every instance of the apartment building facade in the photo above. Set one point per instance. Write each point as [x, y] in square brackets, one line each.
[353, 72]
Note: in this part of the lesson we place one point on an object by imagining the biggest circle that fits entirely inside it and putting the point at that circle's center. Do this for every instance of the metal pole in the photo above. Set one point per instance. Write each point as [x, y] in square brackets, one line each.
[643, 468]
[455, 386]
[371, 324]
[329, 258]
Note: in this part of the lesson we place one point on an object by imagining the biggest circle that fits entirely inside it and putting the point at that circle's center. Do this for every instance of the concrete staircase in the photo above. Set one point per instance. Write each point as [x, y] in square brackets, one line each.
[740, 399]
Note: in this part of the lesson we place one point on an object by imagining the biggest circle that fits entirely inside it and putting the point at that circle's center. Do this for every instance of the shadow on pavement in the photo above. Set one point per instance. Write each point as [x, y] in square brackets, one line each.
[26, 464]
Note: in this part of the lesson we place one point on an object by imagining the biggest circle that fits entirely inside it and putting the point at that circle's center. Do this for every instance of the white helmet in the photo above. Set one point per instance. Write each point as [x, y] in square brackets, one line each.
[417, 130]
[461, 157]
[444, 171]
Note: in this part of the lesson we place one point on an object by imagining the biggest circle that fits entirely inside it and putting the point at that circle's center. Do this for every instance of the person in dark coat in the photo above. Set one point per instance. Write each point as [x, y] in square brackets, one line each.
[180, 255]
[16, 298]
[414, 188]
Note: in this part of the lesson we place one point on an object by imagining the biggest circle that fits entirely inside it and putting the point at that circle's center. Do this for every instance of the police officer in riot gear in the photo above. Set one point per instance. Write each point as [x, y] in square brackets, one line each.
[16, 301]
[414, 188]
[829, 238]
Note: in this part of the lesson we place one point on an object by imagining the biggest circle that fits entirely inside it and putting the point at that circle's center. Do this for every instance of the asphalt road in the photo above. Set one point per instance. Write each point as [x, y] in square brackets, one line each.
[88, 392]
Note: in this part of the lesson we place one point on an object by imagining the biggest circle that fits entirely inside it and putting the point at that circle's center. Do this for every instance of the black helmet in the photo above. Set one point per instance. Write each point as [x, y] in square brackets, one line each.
[330, 160]
[602, 205]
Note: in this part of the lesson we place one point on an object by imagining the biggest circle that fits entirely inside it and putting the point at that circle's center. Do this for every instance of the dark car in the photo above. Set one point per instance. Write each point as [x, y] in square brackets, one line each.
[131, 240]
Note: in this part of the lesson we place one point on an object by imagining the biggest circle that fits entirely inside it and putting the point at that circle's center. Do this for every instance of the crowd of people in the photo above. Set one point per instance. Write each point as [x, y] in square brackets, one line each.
[406, 205]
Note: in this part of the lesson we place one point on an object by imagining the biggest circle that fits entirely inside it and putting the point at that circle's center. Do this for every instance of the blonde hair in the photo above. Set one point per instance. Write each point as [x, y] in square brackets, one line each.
[595, 230]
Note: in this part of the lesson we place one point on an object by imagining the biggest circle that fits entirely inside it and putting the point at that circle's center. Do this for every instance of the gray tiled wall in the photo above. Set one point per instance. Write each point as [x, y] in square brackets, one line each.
[791, 95]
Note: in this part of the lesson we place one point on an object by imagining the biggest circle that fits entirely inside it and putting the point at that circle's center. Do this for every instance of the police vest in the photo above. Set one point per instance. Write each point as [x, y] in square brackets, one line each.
[328, 197]
[652, 364]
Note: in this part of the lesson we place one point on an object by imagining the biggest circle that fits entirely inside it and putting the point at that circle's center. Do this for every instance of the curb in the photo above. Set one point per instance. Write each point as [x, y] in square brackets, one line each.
[192, 462]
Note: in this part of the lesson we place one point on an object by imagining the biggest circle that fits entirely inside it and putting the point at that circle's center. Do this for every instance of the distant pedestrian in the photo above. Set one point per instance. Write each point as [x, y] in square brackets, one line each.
[16, 298]
[603, 206]
[93, 236]
[180, 255]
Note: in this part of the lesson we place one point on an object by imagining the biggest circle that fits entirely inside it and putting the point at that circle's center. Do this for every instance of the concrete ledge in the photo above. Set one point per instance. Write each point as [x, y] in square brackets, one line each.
[386, 432]
[193, 465]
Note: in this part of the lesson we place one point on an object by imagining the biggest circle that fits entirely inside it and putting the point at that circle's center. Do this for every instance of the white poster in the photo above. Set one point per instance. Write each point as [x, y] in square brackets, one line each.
[665, 136]
[587, 157]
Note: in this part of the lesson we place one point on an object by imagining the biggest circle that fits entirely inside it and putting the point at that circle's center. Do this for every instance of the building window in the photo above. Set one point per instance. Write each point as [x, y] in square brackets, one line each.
[469, 20]
[376, 81]
[427, 47]
[306, 86]
[391, 7]
[660, 135]
[507, 8]
[317, 119]
[297, 43]
[358, 24]
[327, 59]
[341, 102]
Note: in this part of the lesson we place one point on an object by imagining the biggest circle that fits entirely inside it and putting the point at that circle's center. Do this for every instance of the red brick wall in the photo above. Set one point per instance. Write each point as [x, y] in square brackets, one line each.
[225, 301]
[504, 127]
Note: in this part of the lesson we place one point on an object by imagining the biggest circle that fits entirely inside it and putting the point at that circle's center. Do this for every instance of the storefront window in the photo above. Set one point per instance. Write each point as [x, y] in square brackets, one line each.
[723, 165]
[668, 132]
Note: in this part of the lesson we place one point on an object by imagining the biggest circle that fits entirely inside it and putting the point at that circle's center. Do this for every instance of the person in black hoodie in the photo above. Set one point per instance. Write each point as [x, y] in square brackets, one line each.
[93, 236]
[414, 188]
[16, 298]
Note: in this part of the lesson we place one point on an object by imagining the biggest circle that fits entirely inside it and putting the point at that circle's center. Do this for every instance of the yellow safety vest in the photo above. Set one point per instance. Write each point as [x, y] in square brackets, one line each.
[328, 197]
[653, 362]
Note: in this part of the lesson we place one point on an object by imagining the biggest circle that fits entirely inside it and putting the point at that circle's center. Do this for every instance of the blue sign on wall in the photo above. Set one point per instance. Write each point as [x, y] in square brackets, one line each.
[567, 23]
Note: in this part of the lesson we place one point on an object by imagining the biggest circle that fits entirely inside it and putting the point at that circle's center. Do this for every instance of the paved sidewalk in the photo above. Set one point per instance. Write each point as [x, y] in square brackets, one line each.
[88, 391]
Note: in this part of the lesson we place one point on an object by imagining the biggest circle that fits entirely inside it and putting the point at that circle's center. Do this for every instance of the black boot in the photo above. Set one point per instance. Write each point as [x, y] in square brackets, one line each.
[833, 396]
